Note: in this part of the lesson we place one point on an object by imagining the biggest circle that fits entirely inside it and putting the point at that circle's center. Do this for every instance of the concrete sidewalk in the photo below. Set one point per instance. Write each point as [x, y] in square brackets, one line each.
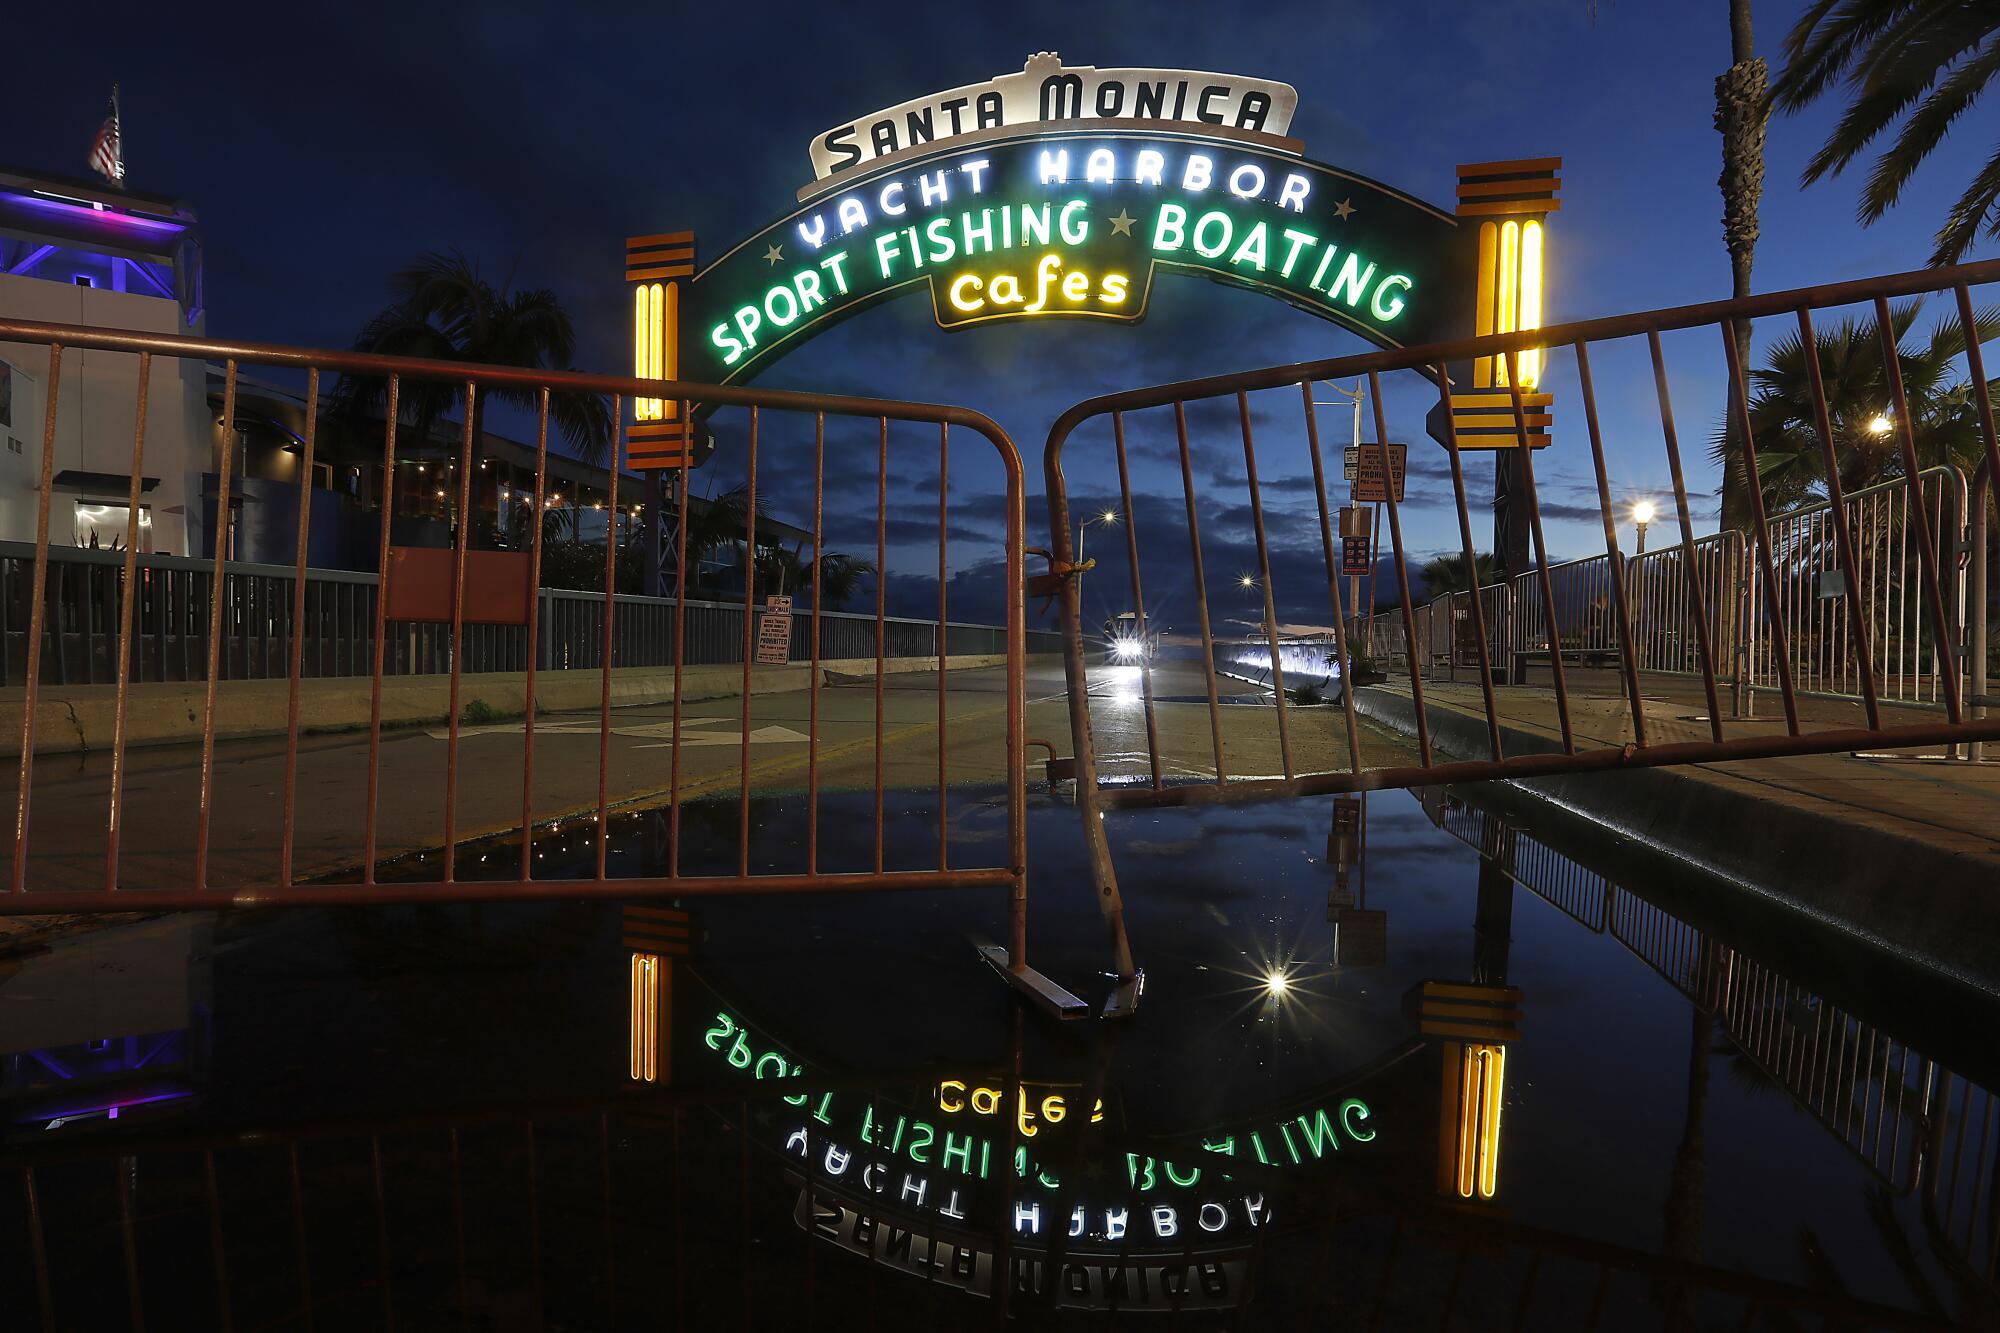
[1903, 851]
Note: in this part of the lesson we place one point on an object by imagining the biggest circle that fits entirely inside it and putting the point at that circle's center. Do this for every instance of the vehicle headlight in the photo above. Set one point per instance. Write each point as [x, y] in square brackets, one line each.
[1127, 649]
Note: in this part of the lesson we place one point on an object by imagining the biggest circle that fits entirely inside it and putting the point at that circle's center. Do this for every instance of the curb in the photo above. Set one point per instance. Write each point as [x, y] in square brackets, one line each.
[1935, 906]
[82, 718]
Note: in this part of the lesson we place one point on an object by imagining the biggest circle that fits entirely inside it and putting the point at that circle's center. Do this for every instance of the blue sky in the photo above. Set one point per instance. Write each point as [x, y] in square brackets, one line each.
[323, 150]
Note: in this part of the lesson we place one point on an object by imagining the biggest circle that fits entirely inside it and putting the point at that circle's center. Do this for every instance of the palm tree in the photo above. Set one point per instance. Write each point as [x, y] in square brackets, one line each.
[445, 310]
[1446, 573]
[1741, 113]
[1917, 64]
[1790, 464]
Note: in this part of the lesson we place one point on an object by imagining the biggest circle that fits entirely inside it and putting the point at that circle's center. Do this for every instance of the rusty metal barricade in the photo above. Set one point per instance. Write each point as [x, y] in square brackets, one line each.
[1301, 753]
[472, 386]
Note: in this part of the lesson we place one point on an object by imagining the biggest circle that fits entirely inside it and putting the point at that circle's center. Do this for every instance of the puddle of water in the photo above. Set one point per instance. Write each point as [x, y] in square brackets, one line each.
[1402, 1062]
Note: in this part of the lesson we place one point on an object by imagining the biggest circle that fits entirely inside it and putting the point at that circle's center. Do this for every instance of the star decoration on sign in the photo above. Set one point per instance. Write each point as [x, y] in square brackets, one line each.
[1121, 223]
[774, 254]
[1343, 210]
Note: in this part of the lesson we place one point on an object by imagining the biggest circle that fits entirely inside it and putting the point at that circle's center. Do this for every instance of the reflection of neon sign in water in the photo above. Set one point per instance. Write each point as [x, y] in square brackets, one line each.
[1295, 1140]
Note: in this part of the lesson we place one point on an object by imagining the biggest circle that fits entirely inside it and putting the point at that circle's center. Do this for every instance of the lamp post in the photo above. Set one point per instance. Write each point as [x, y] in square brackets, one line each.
[1642, 514]
[1108, 516]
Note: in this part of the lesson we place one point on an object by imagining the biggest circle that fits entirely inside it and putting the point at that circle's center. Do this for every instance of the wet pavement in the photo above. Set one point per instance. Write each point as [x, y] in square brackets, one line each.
[1402, 1063]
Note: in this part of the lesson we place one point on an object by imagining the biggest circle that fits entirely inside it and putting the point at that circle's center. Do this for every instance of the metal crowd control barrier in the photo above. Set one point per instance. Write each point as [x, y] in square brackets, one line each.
[1304, 753]
[799, 446]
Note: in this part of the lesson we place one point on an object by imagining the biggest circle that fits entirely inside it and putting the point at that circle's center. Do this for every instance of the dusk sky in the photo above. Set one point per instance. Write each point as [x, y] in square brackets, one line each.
[323, 151]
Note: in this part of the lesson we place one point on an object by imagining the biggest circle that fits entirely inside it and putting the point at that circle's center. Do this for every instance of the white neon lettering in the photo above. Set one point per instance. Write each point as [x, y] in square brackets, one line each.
[1198, 175]
[1252, 190]
[1150, 166]
[934, 189]
[1171, 222]
[899, 207]
[1292, 194]
[853, 213]
[1100, 166]
[1055, 166]
[814, 233]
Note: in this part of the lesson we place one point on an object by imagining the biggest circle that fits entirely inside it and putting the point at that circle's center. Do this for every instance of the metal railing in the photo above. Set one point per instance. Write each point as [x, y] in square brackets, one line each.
[1810, 598]
[1290, 481]
[84, 618]
[800, 452]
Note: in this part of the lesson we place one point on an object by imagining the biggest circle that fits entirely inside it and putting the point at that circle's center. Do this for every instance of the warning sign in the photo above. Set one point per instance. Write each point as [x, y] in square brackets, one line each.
[1353, 555]
[1364, 469]
[774, 632]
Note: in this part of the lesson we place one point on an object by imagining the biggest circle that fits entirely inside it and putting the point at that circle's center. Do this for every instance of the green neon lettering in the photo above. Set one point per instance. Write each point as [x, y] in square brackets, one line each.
[789, 314]
[954, 1146]
[921, 1138]
[1171, 222]
[822, 1113]
[1299, 241]
[1034, 225]
[1138, 1171]
[810, 295]
[1352, 279]
[1388, 310]
[1348, 1109]
[1257, 1145]
[1285, 1132]
[1074, 210]
[896, 1140]
[1201, 228]
[832, 265]
[1325, 258]
[1253, 248]
[1318, 1133]
[1193, 1175]
[868, 1124]
[978, 239]
[886, 246]
[938, 232]
[748, 321]
[715, 1036]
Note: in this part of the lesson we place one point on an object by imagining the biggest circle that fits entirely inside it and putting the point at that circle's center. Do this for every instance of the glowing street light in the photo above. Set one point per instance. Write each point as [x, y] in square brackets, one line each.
[1642, 514]
[1880, 424]
[1108, 516]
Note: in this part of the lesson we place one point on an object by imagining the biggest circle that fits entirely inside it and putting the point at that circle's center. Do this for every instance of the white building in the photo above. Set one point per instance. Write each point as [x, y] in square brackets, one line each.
[72, 252]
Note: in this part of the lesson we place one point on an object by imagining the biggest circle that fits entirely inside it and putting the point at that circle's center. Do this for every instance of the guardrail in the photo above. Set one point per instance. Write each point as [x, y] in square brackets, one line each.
[170, 617]
[1818, 618]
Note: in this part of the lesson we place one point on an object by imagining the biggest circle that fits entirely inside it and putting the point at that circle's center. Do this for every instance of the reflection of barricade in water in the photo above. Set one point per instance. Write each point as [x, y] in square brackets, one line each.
[1917, 1125]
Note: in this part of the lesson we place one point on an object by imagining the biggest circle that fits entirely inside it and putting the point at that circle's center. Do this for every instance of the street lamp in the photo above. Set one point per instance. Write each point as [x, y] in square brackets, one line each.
[1880, 424]
[1642, 514]
[1108, 516]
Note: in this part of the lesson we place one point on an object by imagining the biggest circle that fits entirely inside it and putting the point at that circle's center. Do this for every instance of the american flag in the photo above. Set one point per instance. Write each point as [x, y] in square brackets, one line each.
[107, 152]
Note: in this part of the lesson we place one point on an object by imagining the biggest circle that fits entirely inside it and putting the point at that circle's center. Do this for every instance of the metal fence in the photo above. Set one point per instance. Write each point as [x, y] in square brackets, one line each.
[995, 863]
[84, 618]
[1679, 610]
[1817, 616]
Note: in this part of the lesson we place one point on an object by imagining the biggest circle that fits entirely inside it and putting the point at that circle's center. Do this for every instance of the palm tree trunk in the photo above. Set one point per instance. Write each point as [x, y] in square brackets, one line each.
[1740, 116]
